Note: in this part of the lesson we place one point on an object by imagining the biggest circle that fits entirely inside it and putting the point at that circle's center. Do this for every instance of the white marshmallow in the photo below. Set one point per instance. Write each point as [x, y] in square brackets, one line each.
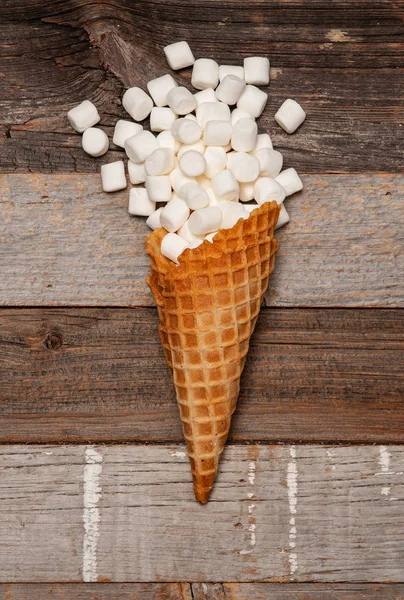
[190, 116]
[205, 220]
[83, 116]
[95, 141]
[263, 141]
[167, 140]
[227, 147]
[160, 162]
[213, 201]
[250, 207]
[210, 236]
[113, 176]
[207, 95]
[247, 191]
[186, 131]
[230, 89]
[252, 100]
[198, 147]
[267, 189]
[137, 103]
[124, 130]
[162, 118]
[244, 167]
[178, 179]
[137, 173]
[212, 111]
[185, 232]
[158, 188]
[181, 101]
[154, 220]
[270, 162]
[290, 181]
[231, 213]
[290, 115]
[225, 186]
[139, 203]
[283, 217]
[196, 243]
[217, 133]
[172, 245]
[204, 182]
[174, 214]
[192, 163]
[205, 74]
[160, 87]
[238, 114]
[225, 70]
[195, 196]
[216, 160]
[256, 70]
[179, 55]
[244, 136]
[138, 147]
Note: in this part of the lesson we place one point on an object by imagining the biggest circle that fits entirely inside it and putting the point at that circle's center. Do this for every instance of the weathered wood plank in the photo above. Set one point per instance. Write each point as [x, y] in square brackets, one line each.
[100, 375]
[307, 591]
[66, 242]
[91, 49]
[95, 591]
[277, 514]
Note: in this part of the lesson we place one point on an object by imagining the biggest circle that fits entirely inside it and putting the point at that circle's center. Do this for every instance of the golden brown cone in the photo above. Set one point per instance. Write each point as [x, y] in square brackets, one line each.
[208, 306]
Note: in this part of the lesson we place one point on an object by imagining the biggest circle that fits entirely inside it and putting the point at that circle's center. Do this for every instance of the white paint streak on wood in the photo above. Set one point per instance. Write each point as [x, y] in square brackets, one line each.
[385, 491]
[91, 513]
[384, 462]
[292, 497]
[252, 467]
[251, 472]
[178, 454]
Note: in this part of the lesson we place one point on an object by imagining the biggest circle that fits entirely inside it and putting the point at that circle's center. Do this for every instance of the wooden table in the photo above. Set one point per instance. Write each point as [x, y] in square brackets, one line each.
[94, 481]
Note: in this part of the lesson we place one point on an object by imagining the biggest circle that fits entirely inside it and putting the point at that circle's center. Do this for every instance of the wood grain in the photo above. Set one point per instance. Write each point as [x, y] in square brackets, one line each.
[335, 591]
[54, 56]
[346, 503]
[95, 591]
[100, 375]
[65, 242]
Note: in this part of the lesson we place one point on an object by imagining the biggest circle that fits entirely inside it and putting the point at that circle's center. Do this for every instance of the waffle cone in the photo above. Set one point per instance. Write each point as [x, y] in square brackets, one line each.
[208, 306]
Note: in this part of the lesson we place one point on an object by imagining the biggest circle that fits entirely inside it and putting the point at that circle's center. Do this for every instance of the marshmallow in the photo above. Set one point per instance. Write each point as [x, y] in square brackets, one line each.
[95, 141]
[290, 115]
[244, 136]
[263, 141]
[238, 114]
[178, 179]
[270, 162]
[160, 87]
[158, 188]
[225, 70]
[160, 162]
[174, 214]
[256, 70]
[212, 111]
[179, 55]
[140, 146]
[124, 130]
[231, 213]
[139, 203]
[83, 116]
[181, 100]
[192, 163]
[137, 173]
[204, 182]
[283, 217]
[217, 133]
[210, 236]
[244, 167]
[247, 191]
[249, 207]
[186, 131]
[172, 246]
[190, 116]
[252, 100]
[195, 196]
[154, 220]
[162, 118]
[216, 160]
[198, 147]
[113, 176]
[225, 186]
[207, 95]
[230, 89]
[205, 74]
[205, 220]
[167, 140]
[290, 181]
[185, 232]
[196, 243]
[267, 189]
[137, 103]
[213, 201]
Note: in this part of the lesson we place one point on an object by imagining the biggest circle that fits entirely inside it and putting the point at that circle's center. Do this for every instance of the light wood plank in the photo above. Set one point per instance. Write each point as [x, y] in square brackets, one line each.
[309, 591]
[66, 242]
[277, 514]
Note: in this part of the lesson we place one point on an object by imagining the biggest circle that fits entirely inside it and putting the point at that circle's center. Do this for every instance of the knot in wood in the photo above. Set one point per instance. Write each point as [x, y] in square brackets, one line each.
[53, 340]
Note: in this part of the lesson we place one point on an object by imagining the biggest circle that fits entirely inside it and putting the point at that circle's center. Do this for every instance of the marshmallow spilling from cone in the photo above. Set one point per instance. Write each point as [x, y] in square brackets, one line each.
[204, 165]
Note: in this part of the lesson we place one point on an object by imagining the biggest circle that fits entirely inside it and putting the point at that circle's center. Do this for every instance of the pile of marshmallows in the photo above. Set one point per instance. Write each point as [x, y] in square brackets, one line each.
[205, 158]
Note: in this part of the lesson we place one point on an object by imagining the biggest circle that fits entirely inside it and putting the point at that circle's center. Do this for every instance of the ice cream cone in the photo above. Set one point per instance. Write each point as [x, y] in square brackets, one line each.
[208, 306]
